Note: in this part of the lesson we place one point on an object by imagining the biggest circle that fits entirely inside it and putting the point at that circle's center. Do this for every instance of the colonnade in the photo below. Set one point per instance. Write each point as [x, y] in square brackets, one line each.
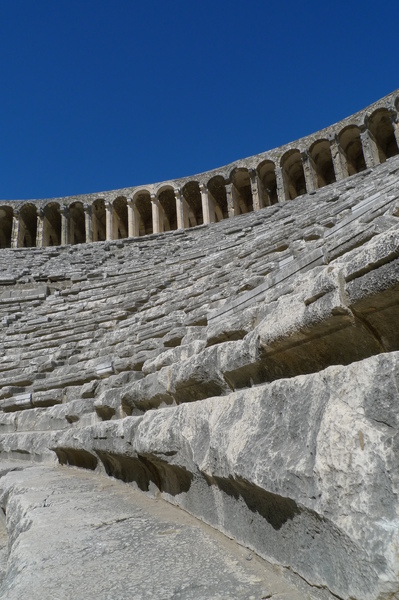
[205, 200]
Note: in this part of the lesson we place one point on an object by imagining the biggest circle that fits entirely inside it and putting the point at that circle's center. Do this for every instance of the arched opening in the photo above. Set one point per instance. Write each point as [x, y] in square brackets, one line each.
[381, 128]
[351, 145]
[322, 163]
[192, 195]
[27, 226]
[293, 174]
[241, 190]
[167, 201]
[267, 175]
[143, 209]
[99, 220]
[52, 225]
[77, 231]
[119, 218]
[6, 217]
[217, 192]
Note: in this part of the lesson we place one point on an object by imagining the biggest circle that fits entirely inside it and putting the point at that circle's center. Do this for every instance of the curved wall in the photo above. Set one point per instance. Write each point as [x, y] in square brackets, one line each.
[355, 144]
[246, 371]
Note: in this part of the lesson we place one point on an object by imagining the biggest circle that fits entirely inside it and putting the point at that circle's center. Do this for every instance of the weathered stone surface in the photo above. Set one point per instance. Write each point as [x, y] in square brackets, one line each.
[73, 534]
[277, 333]
[303, 470]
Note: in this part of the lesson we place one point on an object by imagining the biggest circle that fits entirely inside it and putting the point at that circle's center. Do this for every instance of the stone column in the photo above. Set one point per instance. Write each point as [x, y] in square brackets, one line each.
[308, 172]
[87, 209]
[231, 201]
[157, 221]
[40, 228]
[230, 207]
[133, 219]
[394, 120]
[259, 194]
[208, 215]
[281, 192]
[236, 195]
[370, 150]
[15, 230]
[181, 211]
[108, 221]
[64, 211]
[115, 224]
[339, 164]
[186, 212]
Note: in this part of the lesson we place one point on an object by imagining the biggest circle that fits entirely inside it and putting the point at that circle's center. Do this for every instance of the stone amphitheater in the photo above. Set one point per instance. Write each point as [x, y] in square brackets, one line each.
[199, 380]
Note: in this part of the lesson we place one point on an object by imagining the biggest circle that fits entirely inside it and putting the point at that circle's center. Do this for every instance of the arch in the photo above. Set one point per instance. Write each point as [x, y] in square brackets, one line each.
[192, 195]
[241, 190]
[293, 174]
[352, 149]
[217, 191]
[266, 171]
[6, 219]
[381, 128]
[99, 220]
[167, 201]
[119, 218]
[27, 233]
[77, 230]
[51, 225]
[143, 208]
[322, 163]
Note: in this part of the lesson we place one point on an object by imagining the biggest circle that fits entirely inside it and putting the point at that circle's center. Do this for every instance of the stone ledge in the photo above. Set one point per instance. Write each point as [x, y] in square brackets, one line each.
[271, 453]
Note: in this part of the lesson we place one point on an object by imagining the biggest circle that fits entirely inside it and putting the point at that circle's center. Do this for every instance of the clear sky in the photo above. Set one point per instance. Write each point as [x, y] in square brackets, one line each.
[102, 94]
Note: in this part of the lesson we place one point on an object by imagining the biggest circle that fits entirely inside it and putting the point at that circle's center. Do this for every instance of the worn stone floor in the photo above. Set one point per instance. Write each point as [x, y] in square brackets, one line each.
[74, 534]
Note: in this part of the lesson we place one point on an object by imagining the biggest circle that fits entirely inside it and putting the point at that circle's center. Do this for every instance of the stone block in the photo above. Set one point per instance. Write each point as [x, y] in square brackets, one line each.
[18, 402]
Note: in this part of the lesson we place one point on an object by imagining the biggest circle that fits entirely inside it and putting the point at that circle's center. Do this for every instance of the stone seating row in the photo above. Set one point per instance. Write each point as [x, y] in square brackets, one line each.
[93, 300]
[51, 258]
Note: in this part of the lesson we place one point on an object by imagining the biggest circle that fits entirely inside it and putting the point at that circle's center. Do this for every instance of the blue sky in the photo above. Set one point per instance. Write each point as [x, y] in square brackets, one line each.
[100, 94]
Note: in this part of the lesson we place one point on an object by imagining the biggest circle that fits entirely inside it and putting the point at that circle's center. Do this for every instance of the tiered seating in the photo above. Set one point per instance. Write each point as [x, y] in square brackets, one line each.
[95, 333]
[83, 324]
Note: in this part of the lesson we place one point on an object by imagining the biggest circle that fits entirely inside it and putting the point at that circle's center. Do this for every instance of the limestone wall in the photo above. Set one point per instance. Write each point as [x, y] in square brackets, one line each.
[245, 370]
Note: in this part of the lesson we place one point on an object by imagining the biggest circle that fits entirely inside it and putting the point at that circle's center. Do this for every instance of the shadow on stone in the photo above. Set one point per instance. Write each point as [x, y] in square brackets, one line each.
[76, 458]
[144, 470]
[276, 509]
